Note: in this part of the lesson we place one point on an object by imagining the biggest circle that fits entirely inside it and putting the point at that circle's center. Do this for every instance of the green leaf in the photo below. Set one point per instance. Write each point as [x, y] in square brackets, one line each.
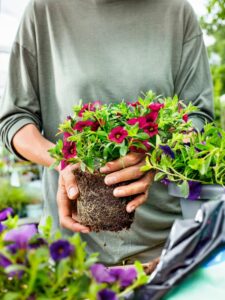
[159, 176]
[184, 188]
[123, 150]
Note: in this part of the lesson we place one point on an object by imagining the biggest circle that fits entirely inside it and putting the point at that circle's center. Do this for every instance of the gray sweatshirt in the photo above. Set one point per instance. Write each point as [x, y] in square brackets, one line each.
[106, 50]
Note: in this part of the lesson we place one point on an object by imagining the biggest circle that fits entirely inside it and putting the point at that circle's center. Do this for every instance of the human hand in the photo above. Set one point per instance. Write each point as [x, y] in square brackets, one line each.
[68, 192]
[128, 168]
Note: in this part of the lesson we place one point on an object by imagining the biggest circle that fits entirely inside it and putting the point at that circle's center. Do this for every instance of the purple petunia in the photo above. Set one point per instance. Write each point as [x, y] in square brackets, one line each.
[21, 235]
[167, 150]
[101, 274]
[195, 189]
[4, 261]
[2, 227]
[124, 276]
[107, 294]
[5, 213]
[61, 249]
[165, 181]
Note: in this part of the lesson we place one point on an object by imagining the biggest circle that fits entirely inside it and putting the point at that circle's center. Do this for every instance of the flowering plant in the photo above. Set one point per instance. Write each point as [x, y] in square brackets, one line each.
[98, 133]
[191, 164]
[41, 266]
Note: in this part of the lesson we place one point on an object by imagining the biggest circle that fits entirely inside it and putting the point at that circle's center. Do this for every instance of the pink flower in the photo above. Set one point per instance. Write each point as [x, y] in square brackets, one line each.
[64, 164]
[152, 116]
[118, 134]
[68, 150]
[152, 129]
[185, 118]
[140, 120]
[156, 106]
[80, 125]
[89, 107]
[136, 149]
[134, 104]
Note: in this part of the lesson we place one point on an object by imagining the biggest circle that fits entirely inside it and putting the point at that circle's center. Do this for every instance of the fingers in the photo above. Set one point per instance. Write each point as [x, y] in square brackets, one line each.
[67, 191]
[139, 200]
[123, 162]
[126, 174]
[137, 187]
[69, 181]
[65, 214]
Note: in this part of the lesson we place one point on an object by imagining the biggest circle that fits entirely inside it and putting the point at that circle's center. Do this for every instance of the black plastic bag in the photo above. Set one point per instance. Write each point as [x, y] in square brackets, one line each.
[190, 242]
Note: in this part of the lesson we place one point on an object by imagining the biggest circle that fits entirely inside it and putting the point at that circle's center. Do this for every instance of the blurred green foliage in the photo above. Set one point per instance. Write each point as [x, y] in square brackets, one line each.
[15, 197]
[214, 24]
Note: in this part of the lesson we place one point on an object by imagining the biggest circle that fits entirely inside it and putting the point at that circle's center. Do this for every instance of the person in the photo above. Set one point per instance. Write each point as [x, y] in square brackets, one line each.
[105, 50]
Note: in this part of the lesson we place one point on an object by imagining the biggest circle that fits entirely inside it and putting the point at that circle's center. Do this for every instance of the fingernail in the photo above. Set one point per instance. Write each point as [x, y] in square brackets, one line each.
[130, 209]
[85, 231]
[104, 169]
[72, 192]
[110, 180]
[118, 193]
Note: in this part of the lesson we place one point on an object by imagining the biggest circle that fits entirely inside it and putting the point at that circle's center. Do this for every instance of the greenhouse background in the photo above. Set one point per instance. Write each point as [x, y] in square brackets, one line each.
[19, 180]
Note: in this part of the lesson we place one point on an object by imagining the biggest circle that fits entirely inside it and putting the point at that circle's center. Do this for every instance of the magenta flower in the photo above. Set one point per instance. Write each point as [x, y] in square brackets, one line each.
[167, 150]
[140, 120]
[101, 274]
[21, 236]
[69, 150]
[152, 129]
[107, 294]
[124, 276]
[118, 134]
[5, 213]
[135, 148]
[61, 249]
[152, 116]
[89, 107]
[63, 164]
[185, 118]
[133, 104]
[156, 106]
[80, 125]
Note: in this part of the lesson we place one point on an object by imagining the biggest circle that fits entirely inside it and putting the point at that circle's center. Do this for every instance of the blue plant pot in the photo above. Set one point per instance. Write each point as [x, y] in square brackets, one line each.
[190, 207]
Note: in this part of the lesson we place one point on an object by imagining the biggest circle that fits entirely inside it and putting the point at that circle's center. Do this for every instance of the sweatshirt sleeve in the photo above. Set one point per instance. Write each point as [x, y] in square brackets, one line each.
[193, 81]
[20, 104]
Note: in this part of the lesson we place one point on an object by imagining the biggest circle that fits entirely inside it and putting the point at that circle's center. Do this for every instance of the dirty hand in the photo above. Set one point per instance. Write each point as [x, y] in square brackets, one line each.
[128, 168]
[68, 192]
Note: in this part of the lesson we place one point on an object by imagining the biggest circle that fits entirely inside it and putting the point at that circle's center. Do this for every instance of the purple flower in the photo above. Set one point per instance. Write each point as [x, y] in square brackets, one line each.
[107, 294]
[101, 274]
[167, 150]
[165, 181]
[118, 134]
[21, 235]
[36, 243]
[2, 227]
[195, 189]
[61, 249]
[5, 213]
[124, 276]
[4, 261]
